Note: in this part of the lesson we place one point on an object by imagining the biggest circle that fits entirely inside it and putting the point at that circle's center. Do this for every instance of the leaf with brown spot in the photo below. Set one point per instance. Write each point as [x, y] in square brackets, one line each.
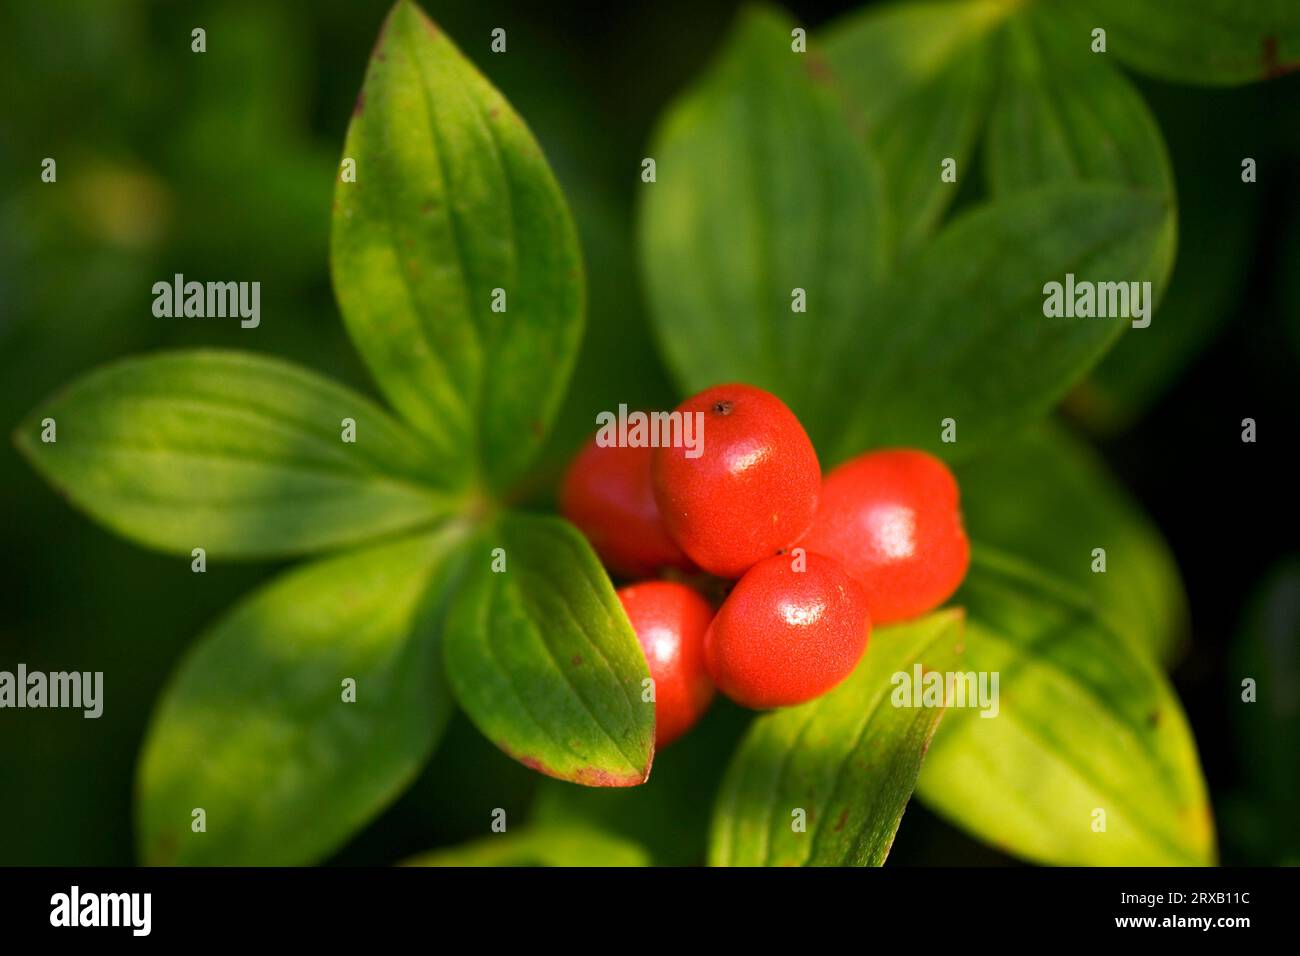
[1207, 42]
[543, 659]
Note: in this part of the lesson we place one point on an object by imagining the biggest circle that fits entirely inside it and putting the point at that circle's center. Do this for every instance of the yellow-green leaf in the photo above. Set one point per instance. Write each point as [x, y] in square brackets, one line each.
[826, 783]
[241, 455]
[1089, 760]
[262, 732]
[546, 845]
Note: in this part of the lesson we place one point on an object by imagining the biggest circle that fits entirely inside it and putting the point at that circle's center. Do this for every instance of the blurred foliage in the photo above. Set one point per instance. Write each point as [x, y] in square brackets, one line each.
[1218, 215]
[228, 733]
[761, 189]
[539, 846]
[1266, 652]
[222, 165]
[1060, 483]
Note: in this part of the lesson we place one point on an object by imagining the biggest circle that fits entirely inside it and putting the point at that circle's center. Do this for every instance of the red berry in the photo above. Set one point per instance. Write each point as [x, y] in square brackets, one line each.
[784, 636]
[892, 519]
[607, 494]
[751, 493]
[670, 620]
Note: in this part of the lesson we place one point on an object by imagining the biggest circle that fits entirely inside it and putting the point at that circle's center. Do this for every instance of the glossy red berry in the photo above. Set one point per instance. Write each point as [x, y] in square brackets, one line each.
[751, 491]
[670, 620]
[784, 636]
[606, 493]
[892, 519]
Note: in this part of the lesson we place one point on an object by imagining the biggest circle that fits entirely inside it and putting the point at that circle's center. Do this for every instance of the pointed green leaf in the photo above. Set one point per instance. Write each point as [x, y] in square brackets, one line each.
[960, 333]
[255, 730]
[762, 188]
[848, 760]
[1048, 498]
[1208, 42]
[453, 201]
[1065, 114]
[1089, 759]
[235, 453]
[543, 659]
[551, 845]
[916, 77]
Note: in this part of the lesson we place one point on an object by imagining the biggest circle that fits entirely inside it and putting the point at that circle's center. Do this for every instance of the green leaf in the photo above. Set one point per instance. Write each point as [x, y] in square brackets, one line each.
[960, 333]
[762, 188]
[1207, 42]
[619, 361]
[453, 199]
[848, 759]
[1084, 724]
[553, 845]
[234, 453]
[1064, 114]
[669, 814]
[544, 661]
[917, 77]
[1049, 499]
[254, 728]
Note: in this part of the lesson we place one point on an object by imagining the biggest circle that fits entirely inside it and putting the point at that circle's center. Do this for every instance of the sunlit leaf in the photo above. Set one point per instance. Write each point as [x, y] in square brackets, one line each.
[234, 453]
[552, 845]
[847, 761]
[255, 728]
[543, 659]
[1088, 760]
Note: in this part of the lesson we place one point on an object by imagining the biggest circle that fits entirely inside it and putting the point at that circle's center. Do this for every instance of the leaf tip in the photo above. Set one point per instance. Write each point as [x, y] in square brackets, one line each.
[596, 777]
[407, 8]
[588, 776]
[401, 8]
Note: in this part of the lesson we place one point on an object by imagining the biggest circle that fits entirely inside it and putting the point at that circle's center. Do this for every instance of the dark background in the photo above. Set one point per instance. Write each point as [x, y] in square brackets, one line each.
[223, 164]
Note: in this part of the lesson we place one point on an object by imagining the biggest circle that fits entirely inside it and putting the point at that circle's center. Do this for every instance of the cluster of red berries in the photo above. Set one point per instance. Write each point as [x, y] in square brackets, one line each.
[814, 562]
